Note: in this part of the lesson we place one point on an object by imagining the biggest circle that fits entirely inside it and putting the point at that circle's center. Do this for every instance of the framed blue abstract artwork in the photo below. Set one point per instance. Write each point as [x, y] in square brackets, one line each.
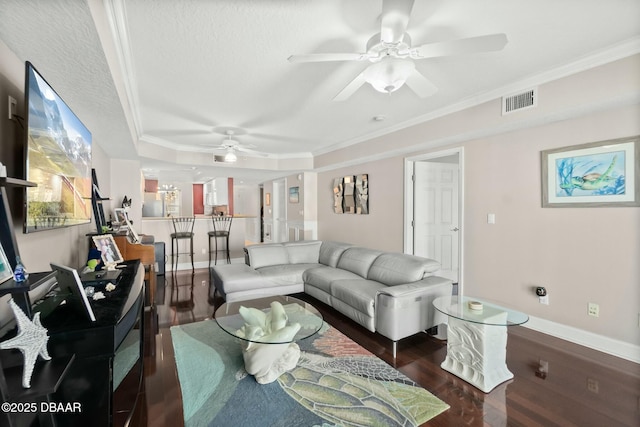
[605, 173]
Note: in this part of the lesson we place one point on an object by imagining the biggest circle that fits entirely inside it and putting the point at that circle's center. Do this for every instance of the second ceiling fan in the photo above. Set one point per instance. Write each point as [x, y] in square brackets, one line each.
[231, 146]
[392, 57]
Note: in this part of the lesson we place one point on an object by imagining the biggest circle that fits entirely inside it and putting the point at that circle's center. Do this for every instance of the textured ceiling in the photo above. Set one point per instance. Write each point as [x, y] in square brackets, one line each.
[163, 81]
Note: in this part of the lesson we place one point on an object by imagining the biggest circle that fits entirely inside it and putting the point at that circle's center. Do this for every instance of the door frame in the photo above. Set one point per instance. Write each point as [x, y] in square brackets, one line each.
[409, 204]
[279, 204]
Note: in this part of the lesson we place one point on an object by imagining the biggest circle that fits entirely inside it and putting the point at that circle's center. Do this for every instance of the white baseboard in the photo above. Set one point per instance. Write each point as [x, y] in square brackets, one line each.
[588, 339]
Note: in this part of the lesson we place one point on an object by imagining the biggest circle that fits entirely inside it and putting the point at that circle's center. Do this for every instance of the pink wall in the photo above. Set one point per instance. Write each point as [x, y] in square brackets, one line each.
[198, 199]
[580, 255]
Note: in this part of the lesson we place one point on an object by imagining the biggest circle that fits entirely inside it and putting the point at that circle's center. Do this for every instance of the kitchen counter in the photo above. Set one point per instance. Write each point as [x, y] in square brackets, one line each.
[160, 218]
[245, 229]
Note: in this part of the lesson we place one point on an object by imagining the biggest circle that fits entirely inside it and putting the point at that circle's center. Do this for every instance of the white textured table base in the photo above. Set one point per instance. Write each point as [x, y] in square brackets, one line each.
[477, 353]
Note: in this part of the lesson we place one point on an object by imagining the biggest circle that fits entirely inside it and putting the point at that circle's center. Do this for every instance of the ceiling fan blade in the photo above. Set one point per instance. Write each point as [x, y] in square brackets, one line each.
[488, 43]
[395, 19]
[350, 89]
[247, 150]
[178, 132]
[325, 57]
[420, 84]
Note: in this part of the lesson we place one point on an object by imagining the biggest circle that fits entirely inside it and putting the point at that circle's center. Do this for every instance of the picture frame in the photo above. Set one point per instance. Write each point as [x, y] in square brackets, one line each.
[597, 174]
[109, 251]
[121, 215]
[294, 194]
[6, 272]
[123, 219]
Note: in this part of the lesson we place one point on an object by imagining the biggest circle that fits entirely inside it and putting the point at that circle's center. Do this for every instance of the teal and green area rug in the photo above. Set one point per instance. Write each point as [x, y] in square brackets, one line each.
[336, 383]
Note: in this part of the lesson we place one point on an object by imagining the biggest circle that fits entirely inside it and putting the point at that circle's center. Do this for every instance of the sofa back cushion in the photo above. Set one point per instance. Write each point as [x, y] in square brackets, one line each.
[330, 252]
[303, 252]
[267, 255]
[358, 260]
[397, 269]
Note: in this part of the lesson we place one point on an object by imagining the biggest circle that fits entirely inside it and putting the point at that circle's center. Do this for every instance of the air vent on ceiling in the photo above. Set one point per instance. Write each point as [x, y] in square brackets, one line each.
[520, 101]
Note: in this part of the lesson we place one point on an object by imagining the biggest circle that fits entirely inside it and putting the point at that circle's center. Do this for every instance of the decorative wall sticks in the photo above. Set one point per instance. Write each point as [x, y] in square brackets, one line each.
[351, 194]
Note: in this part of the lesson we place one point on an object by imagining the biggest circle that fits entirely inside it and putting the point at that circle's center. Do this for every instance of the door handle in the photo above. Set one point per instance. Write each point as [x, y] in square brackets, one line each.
[455, 229]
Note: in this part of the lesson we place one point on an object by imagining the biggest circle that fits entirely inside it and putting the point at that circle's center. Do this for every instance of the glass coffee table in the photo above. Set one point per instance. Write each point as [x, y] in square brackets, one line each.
[477, 339]
[268, 329]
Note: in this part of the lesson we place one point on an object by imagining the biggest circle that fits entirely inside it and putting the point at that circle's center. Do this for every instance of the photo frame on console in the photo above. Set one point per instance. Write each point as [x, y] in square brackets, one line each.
[121, 215]
[5, 272]
[109, 251]
[70, 283]
[597, 174]
[123, 219]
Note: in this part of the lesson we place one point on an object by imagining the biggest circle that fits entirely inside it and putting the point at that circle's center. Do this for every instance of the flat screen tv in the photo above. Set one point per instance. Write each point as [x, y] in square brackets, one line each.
[58, 159]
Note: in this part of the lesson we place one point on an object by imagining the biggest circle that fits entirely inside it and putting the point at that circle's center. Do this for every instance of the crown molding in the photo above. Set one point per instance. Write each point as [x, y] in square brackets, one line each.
[631, 98]
[117, 17]
[604, 56]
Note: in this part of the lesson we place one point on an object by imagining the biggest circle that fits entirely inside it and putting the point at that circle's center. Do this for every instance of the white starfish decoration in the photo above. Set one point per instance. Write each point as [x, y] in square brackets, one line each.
[31, 340]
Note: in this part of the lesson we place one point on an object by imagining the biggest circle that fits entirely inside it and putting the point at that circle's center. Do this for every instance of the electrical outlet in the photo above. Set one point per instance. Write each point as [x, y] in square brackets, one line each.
[13, 105]
[204, 251]
[593, 385]
[593, 309]
[543, 369]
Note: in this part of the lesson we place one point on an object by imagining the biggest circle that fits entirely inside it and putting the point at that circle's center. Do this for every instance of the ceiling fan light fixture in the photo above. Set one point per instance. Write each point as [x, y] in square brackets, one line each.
[389, 74]
[230, 157]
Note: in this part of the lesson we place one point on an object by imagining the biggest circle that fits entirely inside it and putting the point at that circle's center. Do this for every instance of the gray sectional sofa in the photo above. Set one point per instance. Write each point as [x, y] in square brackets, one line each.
[388, 293]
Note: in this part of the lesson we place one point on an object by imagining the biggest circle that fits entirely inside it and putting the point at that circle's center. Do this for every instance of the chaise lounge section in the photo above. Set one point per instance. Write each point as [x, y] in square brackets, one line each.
[387, 293]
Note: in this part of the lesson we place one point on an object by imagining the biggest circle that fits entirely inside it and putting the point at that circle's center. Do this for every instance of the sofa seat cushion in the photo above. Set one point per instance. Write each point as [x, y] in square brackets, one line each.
[397, 269]
[230, 278]
[358, 260]
[360, 294]
[288, 274]
[321, 277]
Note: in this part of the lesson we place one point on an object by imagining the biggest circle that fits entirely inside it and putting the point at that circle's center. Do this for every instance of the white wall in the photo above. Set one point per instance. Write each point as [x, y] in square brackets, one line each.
[246, 199]
[126, 180]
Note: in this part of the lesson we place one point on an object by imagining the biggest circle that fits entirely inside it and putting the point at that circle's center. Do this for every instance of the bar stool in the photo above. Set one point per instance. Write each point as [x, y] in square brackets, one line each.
[183, 229]
[221, 228]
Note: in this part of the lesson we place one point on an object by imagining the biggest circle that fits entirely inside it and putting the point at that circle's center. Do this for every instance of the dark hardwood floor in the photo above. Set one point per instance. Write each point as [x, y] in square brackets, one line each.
[577, 386]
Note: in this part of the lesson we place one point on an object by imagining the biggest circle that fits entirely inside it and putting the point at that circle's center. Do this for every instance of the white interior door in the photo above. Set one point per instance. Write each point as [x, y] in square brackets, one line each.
[436, 215]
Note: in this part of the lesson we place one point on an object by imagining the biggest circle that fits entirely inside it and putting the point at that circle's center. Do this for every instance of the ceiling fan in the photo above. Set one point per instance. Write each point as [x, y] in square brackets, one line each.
[231, 146]
[392, 56]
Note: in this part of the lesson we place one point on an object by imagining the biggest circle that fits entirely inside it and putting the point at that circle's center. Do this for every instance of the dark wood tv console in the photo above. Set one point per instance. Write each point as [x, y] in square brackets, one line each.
[98, 355]
[104, 350]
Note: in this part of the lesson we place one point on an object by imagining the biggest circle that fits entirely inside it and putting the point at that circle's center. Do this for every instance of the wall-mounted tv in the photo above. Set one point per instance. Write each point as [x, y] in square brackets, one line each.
[58, 159]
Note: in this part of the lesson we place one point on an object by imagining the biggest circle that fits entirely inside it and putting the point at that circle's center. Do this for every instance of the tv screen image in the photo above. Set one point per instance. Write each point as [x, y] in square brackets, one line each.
[58, 159]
